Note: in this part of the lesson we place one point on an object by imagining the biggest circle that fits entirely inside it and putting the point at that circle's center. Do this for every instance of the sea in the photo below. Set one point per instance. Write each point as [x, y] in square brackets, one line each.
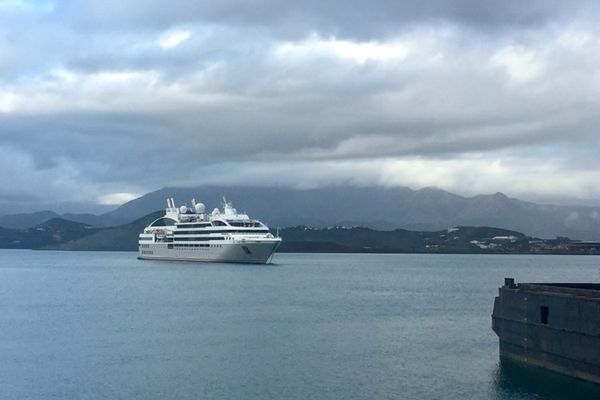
[104, 325]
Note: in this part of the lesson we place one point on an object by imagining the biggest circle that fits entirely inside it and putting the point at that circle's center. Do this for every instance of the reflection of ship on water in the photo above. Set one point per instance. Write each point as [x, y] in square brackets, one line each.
[517, 380]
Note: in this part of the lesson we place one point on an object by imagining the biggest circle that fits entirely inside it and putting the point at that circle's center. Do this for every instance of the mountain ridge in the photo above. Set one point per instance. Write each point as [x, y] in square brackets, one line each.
[28, 220]
[382, 208]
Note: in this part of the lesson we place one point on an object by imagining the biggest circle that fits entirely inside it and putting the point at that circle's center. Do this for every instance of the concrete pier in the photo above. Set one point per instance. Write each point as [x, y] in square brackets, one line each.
[550, 325]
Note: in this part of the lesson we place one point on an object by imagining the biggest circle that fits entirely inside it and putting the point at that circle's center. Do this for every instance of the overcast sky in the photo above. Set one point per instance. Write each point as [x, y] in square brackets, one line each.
[101, 101]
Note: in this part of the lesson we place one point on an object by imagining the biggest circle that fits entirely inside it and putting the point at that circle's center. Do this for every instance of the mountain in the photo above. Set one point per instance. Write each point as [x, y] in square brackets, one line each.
[427, 209]
[51, 233]
[29, 220]
[26, 220]
[92, 219]
[380, 208]
[61, 234]
[119, 238]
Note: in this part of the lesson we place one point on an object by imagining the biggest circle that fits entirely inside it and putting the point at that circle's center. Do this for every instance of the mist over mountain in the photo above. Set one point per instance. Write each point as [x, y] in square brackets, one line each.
[379, 208]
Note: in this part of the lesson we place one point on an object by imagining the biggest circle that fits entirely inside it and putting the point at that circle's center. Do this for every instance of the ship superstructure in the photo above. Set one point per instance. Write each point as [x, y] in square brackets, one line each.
[191, 234]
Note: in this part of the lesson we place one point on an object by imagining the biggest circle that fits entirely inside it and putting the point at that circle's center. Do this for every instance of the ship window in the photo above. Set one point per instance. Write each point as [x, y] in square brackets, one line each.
[164, 222]
[544, 311]
[246, 224]
[219, 223]
[204, 225]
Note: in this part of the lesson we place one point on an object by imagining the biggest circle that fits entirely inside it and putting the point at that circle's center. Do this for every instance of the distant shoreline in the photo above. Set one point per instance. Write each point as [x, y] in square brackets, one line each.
[384, 251]
[61, 234]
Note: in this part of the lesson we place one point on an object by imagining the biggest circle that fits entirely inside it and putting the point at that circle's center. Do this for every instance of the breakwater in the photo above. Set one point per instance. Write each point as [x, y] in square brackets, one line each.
[550, 325]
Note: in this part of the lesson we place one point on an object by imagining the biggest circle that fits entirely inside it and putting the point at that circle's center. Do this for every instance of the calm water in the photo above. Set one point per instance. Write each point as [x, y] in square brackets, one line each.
[87, 325]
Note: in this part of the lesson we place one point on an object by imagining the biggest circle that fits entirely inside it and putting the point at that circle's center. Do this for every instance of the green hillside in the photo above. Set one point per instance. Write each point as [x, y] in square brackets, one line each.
[52, 233]
[120, 238]
[358, 239]
[61, 234]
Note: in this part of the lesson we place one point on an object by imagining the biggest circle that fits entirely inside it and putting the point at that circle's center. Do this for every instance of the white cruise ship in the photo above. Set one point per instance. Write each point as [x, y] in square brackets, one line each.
[190, 234]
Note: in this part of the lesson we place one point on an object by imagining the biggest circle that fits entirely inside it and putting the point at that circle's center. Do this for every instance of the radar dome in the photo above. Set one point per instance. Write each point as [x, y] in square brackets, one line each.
[199, 208]
[183, 209]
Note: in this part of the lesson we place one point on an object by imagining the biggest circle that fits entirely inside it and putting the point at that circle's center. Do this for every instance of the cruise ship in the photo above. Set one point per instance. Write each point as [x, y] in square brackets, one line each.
[190, 234]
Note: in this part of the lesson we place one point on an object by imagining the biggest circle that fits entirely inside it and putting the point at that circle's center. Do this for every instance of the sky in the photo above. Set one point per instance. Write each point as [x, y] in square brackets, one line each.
[101, 102]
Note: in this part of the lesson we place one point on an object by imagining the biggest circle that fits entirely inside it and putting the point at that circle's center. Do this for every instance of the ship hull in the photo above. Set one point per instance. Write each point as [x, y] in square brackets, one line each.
[251, 252]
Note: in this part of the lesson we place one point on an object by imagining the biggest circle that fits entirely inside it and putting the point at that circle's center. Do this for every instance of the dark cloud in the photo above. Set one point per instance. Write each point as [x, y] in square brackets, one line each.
[123, 97]
[349, 18]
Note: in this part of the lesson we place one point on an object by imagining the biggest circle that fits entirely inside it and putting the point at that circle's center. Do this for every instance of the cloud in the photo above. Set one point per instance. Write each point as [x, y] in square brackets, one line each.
[26, 186]
[359, 52]
[520, 64]
[117, 198]
[467, 175]
[118, 98]
[173, 38]
[476, 175]
[349, 19]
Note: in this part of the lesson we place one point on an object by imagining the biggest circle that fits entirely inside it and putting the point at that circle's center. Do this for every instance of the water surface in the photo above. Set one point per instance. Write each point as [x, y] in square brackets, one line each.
[96, 325]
